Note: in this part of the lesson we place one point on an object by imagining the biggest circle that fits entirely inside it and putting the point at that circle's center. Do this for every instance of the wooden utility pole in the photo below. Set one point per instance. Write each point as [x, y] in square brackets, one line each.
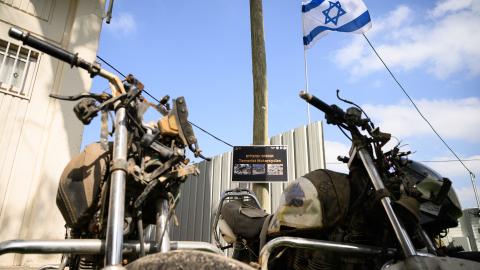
[260, 93]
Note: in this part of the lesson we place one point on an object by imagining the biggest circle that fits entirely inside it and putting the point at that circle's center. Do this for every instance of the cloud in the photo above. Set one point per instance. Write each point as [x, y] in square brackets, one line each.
[395, 19]
[332, 151]
[445, 43]
[446, 6]
[455, 170]
[466, 197]
[122, 24]
[452, 118]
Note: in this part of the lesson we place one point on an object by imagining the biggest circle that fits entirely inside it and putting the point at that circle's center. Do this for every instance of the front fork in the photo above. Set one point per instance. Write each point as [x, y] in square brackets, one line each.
[400, 232]
[116, 208]
[162, 238]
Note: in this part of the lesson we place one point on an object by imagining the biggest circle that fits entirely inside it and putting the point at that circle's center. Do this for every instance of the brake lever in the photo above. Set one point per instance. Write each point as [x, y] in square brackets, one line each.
[98, 97]
[203, 157]
[106, 104]
[86, 109]
[197, 152]
[111, 101]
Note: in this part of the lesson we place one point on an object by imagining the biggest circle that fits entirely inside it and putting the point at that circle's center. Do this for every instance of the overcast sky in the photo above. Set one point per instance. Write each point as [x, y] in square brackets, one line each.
[201, 50]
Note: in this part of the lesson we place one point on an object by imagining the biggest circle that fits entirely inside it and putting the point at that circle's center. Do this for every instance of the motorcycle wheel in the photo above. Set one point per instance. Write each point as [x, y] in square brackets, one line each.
[186, 260]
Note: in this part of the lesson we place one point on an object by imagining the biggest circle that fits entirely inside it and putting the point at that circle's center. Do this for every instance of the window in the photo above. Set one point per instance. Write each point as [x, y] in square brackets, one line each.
[17, 69]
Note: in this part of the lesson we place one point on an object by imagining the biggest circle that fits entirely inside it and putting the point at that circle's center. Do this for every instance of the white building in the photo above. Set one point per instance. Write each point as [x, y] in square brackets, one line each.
[457, 238]
[38, 134]
[470, 223]
[467, 233]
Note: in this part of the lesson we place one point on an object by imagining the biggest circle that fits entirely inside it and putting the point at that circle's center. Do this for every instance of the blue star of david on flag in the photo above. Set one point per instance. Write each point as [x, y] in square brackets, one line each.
[321, 17]
[333, 19]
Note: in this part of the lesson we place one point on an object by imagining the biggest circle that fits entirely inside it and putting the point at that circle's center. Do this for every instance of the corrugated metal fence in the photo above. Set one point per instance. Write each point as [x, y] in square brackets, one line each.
[200, 194]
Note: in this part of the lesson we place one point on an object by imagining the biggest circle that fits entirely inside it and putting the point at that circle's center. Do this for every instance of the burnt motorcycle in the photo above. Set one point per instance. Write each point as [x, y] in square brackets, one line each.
[388, 213]
[118, 198]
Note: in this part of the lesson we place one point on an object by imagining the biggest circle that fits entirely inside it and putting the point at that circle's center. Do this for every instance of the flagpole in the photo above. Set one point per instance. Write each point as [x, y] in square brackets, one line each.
[306, 71]
[306, 81]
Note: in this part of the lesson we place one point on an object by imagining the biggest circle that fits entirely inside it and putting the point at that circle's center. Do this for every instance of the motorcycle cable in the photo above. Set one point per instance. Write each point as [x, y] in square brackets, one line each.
[342, 129]
[357, 106]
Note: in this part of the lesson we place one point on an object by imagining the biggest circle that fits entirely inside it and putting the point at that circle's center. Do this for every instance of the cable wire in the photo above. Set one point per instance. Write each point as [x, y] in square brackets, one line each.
[451, 160]
[108, 64]
[154, 98]
[211, 134]
[416, 108]
[429, 161]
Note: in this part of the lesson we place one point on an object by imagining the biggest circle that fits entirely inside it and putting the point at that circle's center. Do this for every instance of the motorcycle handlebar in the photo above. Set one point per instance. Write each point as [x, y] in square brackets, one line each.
[50, 49]
[329, 110]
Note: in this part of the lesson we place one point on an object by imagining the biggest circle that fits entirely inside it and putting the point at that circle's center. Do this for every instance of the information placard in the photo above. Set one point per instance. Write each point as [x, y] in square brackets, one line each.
[260, 163]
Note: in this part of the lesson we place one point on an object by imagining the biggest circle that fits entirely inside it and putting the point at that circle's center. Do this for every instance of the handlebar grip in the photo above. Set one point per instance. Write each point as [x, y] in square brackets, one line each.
[48, 48]
[317, 103]
[41, 45]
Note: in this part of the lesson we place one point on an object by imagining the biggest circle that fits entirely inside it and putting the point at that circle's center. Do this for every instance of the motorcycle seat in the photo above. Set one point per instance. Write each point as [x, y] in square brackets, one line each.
[246, 221]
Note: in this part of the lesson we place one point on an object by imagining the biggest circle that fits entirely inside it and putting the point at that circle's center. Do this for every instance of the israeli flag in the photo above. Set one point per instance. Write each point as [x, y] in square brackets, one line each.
[320, 17]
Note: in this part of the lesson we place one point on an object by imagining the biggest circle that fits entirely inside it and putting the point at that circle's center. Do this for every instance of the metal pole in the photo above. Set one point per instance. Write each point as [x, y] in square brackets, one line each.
[402, 236]
[114, 241]
[161, 235]
[303, 243]
[426, 239]
[194, 245]
[93, 246]
[306, 75]
[78, 246]
[306, 83]
[109, 12]
[260, 92]
[474, 185]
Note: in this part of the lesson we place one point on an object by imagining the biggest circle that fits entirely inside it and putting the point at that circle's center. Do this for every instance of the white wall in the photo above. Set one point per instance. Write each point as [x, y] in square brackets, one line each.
[38, 135]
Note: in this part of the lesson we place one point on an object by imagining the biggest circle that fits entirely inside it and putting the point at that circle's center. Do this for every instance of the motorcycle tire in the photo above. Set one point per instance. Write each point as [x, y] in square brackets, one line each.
[186, 260]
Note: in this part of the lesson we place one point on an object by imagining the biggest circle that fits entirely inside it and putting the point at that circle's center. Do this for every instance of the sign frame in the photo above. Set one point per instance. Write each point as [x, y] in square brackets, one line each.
[260, 164]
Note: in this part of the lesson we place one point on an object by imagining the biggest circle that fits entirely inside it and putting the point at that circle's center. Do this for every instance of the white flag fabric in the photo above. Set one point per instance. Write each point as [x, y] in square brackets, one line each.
[320, 17]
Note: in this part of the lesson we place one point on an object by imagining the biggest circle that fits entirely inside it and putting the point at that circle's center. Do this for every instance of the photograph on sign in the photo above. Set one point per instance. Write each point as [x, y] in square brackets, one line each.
[260, 163]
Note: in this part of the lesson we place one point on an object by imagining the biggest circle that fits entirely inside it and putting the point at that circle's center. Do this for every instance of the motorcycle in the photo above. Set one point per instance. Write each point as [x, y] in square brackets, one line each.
[389, 212]
[118, 198]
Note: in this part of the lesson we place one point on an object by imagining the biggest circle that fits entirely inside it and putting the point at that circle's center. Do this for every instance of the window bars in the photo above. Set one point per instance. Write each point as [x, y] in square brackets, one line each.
[18, 66]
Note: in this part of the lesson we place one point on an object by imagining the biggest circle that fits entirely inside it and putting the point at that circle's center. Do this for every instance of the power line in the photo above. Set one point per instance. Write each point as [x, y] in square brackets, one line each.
[451, 160]
[108, 64]
[154, 98]
[430, 161]
[472, 175]
[211, 134]
[416, 107]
